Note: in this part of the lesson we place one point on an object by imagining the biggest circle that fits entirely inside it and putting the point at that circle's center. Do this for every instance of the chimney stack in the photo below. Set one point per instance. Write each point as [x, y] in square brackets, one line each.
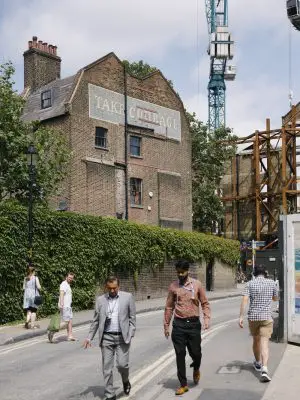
[41, 64]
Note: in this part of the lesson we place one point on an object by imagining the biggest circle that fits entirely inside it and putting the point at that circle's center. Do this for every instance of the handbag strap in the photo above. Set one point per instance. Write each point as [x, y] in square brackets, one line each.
[35, 285]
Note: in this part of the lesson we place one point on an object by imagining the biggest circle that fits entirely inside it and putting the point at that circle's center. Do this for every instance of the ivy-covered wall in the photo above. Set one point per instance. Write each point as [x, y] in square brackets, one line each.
[91, 247]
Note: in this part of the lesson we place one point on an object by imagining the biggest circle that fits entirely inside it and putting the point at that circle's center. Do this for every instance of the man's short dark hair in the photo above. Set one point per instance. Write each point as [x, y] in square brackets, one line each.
[182, 264]
[112, 279]
[259, 270]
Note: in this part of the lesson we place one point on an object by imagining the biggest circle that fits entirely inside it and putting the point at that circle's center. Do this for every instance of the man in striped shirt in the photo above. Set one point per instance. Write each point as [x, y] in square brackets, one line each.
[260, 291]
[184, 298]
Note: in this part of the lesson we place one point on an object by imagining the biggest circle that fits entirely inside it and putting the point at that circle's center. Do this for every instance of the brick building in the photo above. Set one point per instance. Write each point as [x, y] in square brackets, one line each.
[129, 137]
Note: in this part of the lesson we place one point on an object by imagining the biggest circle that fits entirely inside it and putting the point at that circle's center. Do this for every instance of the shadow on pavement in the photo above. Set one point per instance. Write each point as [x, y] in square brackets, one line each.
[244, 366]
[171, 384]
[92, 392]
[222, 394]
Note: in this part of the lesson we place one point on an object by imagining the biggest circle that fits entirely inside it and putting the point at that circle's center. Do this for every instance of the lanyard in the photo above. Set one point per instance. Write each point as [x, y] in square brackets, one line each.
[114, 303]
[188, 289]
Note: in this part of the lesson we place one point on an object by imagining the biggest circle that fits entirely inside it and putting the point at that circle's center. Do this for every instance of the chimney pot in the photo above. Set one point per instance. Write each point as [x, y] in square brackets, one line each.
[40, 44]
[54, 49]
[45, 47]
[34, 41]
[30, 44]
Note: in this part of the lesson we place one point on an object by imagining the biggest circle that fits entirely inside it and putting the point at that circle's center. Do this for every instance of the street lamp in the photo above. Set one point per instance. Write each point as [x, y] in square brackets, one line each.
[31, 162]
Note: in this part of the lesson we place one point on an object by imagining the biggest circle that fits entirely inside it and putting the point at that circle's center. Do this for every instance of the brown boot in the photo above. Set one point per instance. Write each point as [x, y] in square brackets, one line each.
[181, 390]
[196, 376]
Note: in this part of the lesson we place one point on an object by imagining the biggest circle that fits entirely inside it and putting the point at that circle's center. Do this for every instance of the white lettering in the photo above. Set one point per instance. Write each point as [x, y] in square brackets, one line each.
[132, 112]
[162, 121]
[169, 122]
[98, 100]
[106, 105]
[116, 107]
[109, 105]
[175, 125]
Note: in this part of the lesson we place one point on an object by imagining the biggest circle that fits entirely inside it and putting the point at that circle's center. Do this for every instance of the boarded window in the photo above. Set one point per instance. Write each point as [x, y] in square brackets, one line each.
[136, 191]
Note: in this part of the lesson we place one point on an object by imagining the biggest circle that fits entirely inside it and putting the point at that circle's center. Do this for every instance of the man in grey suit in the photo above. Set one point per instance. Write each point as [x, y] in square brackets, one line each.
[114, 318]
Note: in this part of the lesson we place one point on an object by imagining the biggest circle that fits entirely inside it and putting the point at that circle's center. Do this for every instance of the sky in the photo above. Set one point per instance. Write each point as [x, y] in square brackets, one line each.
[172, 36]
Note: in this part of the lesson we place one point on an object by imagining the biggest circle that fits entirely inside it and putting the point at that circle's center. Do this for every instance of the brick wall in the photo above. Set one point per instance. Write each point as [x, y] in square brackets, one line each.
[40, 68]
[96, 179]
[153, 283]
[158, 153]
[224, 276]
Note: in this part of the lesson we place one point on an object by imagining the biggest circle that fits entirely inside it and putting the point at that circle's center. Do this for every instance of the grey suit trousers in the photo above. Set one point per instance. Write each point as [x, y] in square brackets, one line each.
[112, 346]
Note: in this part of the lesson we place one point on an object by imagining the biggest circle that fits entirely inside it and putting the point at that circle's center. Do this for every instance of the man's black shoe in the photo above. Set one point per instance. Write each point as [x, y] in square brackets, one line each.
[111, 398]
[127, 387]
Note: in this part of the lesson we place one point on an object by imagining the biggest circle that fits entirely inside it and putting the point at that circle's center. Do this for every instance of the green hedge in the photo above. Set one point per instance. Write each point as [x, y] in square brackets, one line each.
[90, 247]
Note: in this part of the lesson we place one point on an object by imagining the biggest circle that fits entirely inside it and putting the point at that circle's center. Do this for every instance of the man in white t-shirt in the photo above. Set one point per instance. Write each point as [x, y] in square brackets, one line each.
[65, 306]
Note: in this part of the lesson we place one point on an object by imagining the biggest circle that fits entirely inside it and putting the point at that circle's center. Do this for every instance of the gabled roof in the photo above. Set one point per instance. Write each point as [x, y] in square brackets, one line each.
[60, 92]
[63, 91]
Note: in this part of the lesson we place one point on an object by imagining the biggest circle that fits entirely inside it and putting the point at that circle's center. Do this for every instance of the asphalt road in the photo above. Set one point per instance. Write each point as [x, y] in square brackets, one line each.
[37, 370]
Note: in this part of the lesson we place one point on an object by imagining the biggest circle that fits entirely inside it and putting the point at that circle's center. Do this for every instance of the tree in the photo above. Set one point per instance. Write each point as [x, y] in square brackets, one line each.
[15, 137]
[141, 69]
[138, 69]
[210, 154]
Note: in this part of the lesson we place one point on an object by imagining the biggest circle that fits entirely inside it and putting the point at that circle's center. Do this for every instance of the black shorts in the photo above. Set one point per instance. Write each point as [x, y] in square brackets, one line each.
[32, 309]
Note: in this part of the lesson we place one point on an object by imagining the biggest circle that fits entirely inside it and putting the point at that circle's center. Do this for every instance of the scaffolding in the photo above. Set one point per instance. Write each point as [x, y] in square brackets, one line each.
[261, 182]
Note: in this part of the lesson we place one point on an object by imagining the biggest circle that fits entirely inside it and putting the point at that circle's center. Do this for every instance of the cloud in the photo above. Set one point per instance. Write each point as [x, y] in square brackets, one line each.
[248, 105]
[86, 30]
[170, 34]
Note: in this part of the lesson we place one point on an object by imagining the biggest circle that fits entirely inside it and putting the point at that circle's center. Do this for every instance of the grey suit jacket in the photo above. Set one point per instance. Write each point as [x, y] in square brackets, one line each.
[127, 317]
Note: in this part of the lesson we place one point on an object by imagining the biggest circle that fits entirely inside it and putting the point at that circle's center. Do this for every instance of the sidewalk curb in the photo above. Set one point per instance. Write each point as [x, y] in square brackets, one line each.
[41, 332]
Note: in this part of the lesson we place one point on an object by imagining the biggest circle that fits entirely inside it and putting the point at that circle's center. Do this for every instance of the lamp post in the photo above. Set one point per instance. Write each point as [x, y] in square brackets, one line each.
[31, 162]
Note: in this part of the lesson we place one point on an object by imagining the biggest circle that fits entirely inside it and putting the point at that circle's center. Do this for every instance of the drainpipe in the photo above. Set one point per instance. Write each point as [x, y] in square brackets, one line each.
[125, 142]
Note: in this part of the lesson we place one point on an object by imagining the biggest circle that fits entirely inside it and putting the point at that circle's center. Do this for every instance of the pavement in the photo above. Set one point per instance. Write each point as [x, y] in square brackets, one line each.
[16, 333]
[285, 381]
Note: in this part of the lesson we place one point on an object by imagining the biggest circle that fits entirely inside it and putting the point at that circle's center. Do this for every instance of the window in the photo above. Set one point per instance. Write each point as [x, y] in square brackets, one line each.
[135, 191]
[101, 137]
[135, 146]
[46, 99]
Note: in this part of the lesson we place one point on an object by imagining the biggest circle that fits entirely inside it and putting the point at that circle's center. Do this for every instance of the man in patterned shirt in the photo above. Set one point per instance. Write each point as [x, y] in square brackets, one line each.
[184, 298]
[261, 291]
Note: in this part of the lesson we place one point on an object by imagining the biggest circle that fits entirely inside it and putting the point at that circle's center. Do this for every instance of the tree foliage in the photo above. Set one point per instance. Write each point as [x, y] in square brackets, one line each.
[139, 69]
[209, 157]
[15, 137]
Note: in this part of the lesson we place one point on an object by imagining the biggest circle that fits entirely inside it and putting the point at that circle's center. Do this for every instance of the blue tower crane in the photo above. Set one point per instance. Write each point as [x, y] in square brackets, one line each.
[220, 51]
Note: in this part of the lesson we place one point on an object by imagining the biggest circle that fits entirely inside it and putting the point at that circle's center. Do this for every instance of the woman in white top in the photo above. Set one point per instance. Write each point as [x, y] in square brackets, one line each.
[31, 287]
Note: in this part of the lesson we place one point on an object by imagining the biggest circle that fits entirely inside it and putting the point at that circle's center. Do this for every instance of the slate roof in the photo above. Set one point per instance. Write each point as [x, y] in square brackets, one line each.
[60, 93]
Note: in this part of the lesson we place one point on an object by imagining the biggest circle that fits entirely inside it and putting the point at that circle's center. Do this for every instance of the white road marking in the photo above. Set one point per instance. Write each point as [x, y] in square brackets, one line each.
[32, 342]
[145, 376]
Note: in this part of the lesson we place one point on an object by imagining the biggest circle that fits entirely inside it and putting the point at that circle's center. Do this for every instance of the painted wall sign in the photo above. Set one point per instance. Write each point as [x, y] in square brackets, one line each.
[107, 105]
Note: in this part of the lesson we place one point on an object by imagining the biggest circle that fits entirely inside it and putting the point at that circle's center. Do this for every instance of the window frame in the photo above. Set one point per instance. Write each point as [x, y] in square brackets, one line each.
[133, 182]
[45, 99]
[132, 136]
[104, 138]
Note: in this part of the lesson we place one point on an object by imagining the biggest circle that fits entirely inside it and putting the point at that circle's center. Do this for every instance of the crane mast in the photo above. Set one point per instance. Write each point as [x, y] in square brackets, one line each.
[220, 51]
